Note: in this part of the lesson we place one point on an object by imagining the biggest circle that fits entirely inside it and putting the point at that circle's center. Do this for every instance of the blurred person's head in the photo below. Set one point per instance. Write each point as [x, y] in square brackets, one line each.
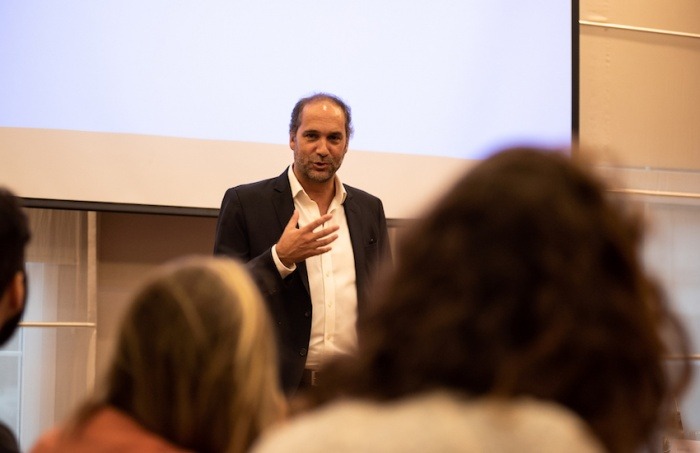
[525, 279]
[14, 236]
[195, 360]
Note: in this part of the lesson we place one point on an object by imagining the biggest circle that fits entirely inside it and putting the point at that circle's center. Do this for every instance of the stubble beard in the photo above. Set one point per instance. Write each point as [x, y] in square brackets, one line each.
[319, 176]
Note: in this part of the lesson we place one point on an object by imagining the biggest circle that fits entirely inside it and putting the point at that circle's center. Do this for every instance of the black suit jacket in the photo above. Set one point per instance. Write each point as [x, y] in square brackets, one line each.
[251, 221]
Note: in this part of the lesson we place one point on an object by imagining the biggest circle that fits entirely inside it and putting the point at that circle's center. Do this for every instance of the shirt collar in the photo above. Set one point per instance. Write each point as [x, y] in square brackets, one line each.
[340, 192]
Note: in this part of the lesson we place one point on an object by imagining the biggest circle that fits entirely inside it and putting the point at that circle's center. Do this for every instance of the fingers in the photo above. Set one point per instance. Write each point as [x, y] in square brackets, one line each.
[293, 220]
[322, 242]
[311, 226]
[318, 222]
[323, 232]
[297, 244]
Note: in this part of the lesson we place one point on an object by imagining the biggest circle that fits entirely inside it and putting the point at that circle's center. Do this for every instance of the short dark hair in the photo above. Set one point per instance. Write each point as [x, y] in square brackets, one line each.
[14, 236]
[295, 121]
[525, 279]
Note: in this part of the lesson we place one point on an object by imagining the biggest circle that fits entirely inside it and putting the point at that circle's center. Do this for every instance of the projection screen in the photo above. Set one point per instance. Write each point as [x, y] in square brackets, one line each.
[132, 105]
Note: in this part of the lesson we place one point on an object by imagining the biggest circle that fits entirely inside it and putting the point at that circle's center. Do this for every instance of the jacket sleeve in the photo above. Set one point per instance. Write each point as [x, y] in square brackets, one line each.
[233, 239]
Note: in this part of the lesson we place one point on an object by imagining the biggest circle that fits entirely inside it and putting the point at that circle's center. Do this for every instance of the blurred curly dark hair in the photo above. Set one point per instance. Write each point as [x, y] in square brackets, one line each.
[524, 279]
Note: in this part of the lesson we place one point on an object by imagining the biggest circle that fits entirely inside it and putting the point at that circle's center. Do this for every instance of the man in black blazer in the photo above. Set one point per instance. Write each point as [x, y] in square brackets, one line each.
[311, 243]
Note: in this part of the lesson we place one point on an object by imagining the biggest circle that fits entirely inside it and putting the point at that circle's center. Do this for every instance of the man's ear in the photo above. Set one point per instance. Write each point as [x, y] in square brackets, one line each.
[292, 140]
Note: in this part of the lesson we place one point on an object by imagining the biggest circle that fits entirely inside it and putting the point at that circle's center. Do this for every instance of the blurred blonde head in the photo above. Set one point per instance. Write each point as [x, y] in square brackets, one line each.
[195, 361]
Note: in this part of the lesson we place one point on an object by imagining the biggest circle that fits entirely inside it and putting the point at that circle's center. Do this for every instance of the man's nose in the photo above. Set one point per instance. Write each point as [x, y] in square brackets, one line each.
[322, 147]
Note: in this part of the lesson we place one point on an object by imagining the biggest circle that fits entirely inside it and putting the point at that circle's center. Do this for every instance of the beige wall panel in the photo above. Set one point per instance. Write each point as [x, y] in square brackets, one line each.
[130, 248]
[676, 15]
[640, 98]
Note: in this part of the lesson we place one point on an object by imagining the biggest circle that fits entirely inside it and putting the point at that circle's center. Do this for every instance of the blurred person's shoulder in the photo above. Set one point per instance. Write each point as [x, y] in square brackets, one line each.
[107, 430]
[436, 421]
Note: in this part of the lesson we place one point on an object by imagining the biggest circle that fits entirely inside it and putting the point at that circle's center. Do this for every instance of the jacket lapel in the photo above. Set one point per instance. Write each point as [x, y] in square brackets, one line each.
[353, 215]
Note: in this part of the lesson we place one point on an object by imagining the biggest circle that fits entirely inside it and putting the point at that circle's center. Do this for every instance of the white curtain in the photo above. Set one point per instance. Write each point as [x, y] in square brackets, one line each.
[49, 365]
[672, 251]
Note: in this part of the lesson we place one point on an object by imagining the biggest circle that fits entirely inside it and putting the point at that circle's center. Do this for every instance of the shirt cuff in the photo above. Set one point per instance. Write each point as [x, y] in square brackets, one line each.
[281, 268]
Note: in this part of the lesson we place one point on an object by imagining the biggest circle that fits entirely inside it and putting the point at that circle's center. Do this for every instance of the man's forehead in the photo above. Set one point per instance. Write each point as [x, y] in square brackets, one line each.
[324, 110]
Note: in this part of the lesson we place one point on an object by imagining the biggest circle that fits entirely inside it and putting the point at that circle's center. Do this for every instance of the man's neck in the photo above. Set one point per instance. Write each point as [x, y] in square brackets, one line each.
[321, 193]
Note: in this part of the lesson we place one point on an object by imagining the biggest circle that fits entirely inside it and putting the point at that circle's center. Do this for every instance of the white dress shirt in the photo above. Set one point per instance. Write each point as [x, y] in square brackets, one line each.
[331, 280]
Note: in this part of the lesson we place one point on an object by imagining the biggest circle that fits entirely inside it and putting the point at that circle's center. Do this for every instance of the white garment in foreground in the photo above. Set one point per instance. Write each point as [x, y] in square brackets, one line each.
[434, 422]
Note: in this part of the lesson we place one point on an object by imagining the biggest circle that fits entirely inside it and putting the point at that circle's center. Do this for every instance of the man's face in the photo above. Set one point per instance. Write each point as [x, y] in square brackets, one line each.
[320, 143]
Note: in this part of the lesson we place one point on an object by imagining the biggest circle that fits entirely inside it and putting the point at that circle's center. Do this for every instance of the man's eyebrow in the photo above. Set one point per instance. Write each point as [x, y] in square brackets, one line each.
[316, 131]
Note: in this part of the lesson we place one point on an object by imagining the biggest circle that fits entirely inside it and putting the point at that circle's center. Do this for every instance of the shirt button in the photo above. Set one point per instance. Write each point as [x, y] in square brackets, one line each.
[302, 352]
[307, 313]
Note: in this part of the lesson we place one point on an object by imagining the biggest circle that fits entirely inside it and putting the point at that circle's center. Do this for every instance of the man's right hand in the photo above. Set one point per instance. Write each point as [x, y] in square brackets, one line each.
[297, 244]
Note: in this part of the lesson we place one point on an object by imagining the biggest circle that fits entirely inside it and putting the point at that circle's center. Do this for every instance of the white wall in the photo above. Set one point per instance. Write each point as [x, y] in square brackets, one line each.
[182, 172]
